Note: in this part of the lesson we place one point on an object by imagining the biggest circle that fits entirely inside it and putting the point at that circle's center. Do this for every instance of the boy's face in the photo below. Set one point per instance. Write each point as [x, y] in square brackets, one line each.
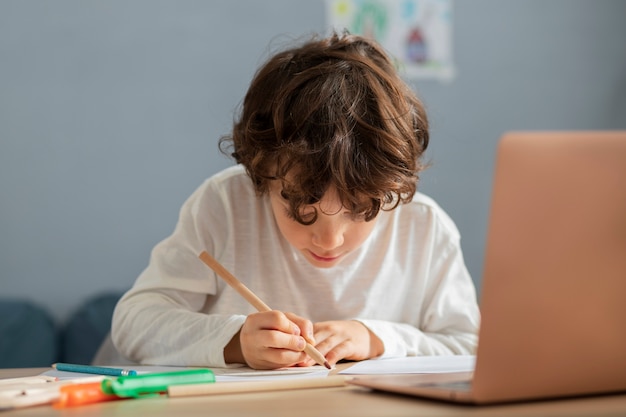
[334, 234]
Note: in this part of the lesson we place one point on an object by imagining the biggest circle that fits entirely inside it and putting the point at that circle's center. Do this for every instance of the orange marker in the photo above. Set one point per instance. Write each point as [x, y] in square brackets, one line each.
[79, 394]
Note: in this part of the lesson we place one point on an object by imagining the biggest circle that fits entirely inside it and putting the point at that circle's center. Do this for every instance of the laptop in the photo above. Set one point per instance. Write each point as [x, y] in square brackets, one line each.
[553, 299]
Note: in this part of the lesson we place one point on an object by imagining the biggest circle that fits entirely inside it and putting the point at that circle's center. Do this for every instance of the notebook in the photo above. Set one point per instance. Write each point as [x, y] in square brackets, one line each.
[553, 299]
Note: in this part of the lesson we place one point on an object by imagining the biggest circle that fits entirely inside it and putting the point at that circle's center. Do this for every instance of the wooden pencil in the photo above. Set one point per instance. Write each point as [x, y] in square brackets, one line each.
[254, 386]
[255, 301]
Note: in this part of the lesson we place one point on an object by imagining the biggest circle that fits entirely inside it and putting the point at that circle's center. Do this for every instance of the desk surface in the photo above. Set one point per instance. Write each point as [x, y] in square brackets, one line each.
[326, 402]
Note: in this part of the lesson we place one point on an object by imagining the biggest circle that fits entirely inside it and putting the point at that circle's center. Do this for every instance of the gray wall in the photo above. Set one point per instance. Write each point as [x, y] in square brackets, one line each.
[110, 113]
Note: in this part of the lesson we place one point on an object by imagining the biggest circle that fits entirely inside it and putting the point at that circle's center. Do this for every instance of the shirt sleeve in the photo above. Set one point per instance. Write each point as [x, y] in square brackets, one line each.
[164, 327]
[160, 319]
[449, 321]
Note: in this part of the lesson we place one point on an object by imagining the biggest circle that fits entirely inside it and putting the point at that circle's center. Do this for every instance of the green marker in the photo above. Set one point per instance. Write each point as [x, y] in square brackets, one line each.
[154, 384]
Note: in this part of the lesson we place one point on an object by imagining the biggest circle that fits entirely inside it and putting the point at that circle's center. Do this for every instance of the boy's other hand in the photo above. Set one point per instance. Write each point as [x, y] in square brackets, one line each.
[345, 339]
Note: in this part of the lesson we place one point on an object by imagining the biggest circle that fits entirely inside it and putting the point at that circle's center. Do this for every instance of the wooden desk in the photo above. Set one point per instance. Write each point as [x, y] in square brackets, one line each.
[322, 402]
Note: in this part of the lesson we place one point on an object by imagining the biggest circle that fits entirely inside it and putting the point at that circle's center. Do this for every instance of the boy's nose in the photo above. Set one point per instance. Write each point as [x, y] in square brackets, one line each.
[328, 238]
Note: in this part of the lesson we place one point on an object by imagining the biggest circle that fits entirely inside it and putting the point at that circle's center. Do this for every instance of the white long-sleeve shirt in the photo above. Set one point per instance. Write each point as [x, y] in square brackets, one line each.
[407, 283]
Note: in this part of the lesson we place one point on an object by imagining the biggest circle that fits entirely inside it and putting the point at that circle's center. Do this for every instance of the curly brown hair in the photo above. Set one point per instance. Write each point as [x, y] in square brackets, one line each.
[332, 112]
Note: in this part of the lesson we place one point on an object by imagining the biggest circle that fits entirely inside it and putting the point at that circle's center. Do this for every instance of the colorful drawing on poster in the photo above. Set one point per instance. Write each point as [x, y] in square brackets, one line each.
[417, 33]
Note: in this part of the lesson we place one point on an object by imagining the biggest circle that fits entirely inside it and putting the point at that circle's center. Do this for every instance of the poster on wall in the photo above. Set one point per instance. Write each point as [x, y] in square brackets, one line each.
[416, 33]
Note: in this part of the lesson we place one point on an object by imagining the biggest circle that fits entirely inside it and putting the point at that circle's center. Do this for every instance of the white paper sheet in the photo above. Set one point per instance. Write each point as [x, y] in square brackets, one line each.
[413, 365]
[248, 374]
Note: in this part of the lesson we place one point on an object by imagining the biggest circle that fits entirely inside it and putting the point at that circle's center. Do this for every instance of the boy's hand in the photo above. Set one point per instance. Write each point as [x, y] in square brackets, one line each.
[270, 340]
[345, 339]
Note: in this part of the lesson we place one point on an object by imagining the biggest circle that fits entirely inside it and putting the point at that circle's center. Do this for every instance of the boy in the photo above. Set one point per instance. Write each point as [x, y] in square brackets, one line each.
[321, 219]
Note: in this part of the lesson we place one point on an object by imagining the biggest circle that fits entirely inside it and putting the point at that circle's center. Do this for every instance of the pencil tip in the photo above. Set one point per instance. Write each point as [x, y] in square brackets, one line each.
[327, 365]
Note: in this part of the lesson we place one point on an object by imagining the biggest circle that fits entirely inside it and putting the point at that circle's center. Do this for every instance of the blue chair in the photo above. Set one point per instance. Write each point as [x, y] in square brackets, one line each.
[28, 335]
[87, 328]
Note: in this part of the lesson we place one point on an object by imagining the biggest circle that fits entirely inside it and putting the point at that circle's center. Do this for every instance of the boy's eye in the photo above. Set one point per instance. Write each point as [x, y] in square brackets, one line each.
[304, 216]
